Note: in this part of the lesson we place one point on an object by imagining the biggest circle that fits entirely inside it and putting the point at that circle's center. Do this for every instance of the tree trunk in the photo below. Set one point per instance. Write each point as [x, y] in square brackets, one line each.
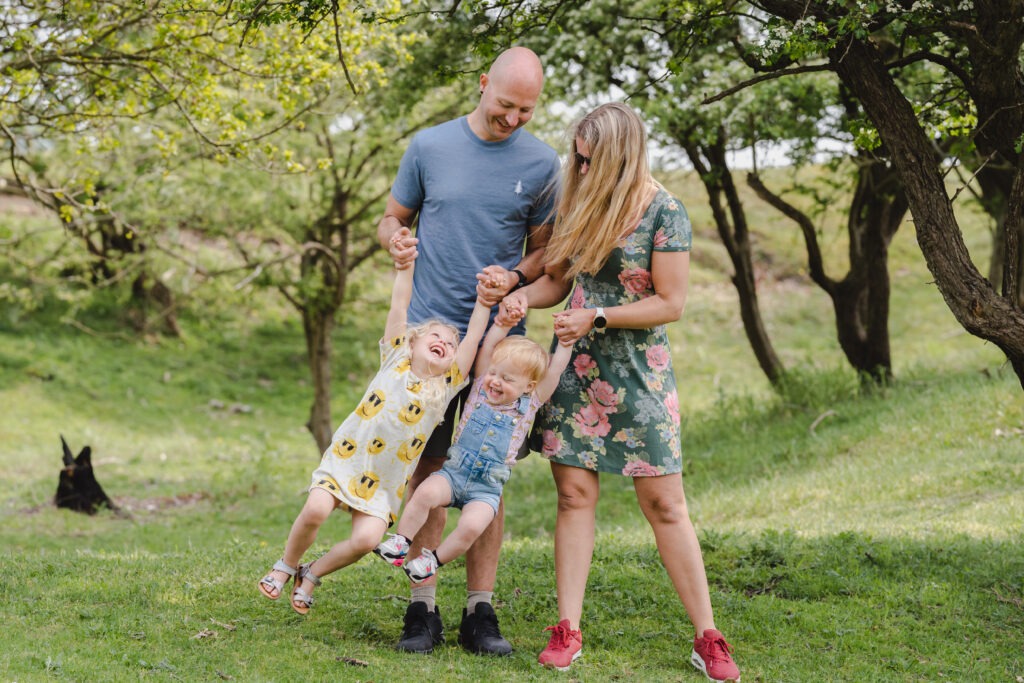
[326, 262]
[722, 191]
[158, 297]
[317, 326]
[996, 182]
[967, 293]
[862, 298]
[995, 190]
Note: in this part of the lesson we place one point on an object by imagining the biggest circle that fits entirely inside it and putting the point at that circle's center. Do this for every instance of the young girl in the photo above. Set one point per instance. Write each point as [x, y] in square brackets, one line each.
[375, 449]
[514, 378]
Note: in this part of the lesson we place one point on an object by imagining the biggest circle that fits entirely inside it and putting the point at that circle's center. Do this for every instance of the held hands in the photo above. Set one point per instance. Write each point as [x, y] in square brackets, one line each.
[573, 323]
[511, 311]
[513, 307]
[494, 282]
[402, 247]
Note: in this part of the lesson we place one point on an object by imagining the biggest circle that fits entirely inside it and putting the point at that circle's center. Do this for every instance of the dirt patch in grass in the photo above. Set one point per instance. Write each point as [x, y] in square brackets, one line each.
[159, 503]
[128, 506]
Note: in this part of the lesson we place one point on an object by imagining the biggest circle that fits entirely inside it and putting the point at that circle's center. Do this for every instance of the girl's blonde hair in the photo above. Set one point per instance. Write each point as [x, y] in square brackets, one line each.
[594, 211]
[414, 332]
[526, 355]
[433, 388]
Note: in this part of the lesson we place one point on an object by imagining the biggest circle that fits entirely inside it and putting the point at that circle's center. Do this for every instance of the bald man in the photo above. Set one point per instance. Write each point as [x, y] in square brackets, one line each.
[479, 189]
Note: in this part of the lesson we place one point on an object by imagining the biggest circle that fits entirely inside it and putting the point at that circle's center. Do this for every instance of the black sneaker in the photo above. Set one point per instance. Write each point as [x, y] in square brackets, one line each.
[422, 630]
[479, 632]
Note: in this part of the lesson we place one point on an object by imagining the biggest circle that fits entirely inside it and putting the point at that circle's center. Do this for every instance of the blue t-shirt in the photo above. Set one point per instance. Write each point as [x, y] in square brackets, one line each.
[476, 201]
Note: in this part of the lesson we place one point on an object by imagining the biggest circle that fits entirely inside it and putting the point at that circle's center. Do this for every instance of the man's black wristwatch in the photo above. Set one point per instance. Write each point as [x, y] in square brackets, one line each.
[522, 280]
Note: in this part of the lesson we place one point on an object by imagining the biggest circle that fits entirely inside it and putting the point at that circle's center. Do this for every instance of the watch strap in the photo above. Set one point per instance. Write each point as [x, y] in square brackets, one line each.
[522, 280]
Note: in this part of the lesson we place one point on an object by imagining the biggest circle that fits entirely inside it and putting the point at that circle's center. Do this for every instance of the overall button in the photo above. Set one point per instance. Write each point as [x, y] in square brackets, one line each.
[484, 448]
[490, 432]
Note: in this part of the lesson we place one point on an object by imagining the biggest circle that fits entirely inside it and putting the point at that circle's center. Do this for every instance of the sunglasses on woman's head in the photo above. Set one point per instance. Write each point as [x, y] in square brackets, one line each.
[580, 159]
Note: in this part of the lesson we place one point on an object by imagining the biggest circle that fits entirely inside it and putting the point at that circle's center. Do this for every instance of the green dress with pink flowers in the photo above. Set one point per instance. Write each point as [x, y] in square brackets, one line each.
[616, 408]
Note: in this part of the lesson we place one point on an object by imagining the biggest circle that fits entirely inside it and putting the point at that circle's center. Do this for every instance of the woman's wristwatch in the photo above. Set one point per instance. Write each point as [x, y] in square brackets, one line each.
[600, 321]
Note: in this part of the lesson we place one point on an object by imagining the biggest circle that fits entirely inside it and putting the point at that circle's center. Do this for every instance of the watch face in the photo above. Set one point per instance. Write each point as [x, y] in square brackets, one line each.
[600, 322]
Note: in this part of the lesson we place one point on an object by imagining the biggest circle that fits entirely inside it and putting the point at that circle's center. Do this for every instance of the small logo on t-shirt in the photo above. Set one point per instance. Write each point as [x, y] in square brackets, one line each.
[519, 187]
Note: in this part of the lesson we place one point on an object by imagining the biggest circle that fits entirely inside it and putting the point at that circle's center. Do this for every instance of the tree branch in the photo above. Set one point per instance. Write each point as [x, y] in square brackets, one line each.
[923, 55]
[341, 54]
[766, 77]
[815, 265]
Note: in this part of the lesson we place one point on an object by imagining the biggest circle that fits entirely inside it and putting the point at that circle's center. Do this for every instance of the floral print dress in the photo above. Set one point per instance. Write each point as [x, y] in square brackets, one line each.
[616, 408]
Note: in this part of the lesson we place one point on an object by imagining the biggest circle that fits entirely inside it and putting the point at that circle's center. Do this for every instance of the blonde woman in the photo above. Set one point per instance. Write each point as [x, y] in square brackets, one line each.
[624, 242]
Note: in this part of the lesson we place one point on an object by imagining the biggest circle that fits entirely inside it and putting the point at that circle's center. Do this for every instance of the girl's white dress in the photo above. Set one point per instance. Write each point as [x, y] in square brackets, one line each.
[374, 451]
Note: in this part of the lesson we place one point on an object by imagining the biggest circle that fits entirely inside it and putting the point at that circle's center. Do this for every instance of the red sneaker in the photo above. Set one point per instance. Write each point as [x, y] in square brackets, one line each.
[711, 656]
[564, 648]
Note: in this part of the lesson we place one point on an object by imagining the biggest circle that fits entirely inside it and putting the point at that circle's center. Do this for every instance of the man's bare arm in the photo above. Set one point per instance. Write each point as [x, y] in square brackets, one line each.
[532, 264]
[394, 234]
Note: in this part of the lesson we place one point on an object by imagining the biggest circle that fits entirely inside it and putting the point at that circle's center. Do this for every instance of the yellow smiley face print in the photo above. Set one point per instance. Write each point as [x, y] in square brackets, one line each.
[412, 413]
[410, 450]
[376, 446]
[364, 486]
[453, 376]
[328, 484]
[372, 405]
[345, 448]
[403, 365]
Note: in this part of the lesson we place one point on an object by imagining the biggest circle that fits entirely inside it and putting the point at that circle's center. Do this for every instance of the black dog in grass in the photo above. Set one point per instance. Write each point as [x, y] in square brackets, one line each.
[77, 488]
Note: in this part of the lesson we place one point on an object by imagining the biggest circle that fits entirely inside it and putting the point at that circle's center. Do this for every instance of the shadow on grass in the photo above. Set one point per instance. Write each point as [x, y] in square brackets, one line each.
[845, 607]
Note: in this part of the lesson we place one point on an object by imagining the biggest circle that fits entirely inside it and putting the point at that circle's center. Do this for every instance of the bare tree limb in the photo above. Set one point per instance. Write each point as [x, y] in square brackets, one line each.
[812, 68]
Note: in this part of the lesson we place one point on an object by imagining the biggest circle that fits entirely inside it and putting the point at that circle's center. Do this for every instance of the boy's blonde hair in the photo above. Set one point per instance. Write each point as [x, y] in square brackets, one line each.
[433, 387]
[526, 355]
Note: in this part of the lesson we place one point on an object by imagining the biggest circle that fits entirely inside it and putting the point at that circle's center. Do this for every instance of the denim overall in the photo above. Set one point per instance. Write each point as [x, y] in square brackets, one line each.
[476, 468]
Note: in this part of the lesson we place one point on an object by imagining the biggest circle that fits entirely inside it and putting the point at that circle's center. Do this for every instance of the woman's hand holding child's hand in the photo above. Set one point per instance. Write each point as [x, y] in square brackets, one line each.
[573, 323]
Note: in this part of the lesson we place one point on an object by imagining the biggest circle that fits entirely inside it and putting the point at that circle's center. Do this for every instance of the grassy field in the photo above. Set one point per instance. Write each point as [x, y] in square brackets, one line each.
[847, 537]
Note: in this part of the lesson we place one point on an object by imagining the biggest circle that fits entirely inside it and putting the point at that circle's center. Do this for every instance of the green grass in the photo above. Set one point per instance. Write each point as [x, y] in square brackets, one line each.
[847, 537]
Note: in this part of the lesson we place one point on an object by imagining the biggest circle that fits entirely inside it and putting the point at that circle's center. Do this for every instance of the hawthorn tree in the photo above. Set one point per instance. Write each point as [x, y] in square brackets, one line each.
[669, 70]
[87, 84]
[979, 43]
[140, 123]
[867, 44]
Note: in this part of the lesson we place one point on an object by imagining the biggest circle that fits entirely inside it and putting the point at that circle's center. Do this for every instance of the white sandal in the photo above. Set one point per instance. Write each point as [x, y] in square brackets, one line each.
[268, 583]
[301, 596]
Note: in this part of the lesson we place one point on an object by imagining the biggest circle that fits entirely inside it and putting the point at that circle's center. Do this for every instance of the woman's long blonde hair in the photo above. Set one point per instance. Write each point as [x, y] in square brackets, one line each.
[594, 211]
